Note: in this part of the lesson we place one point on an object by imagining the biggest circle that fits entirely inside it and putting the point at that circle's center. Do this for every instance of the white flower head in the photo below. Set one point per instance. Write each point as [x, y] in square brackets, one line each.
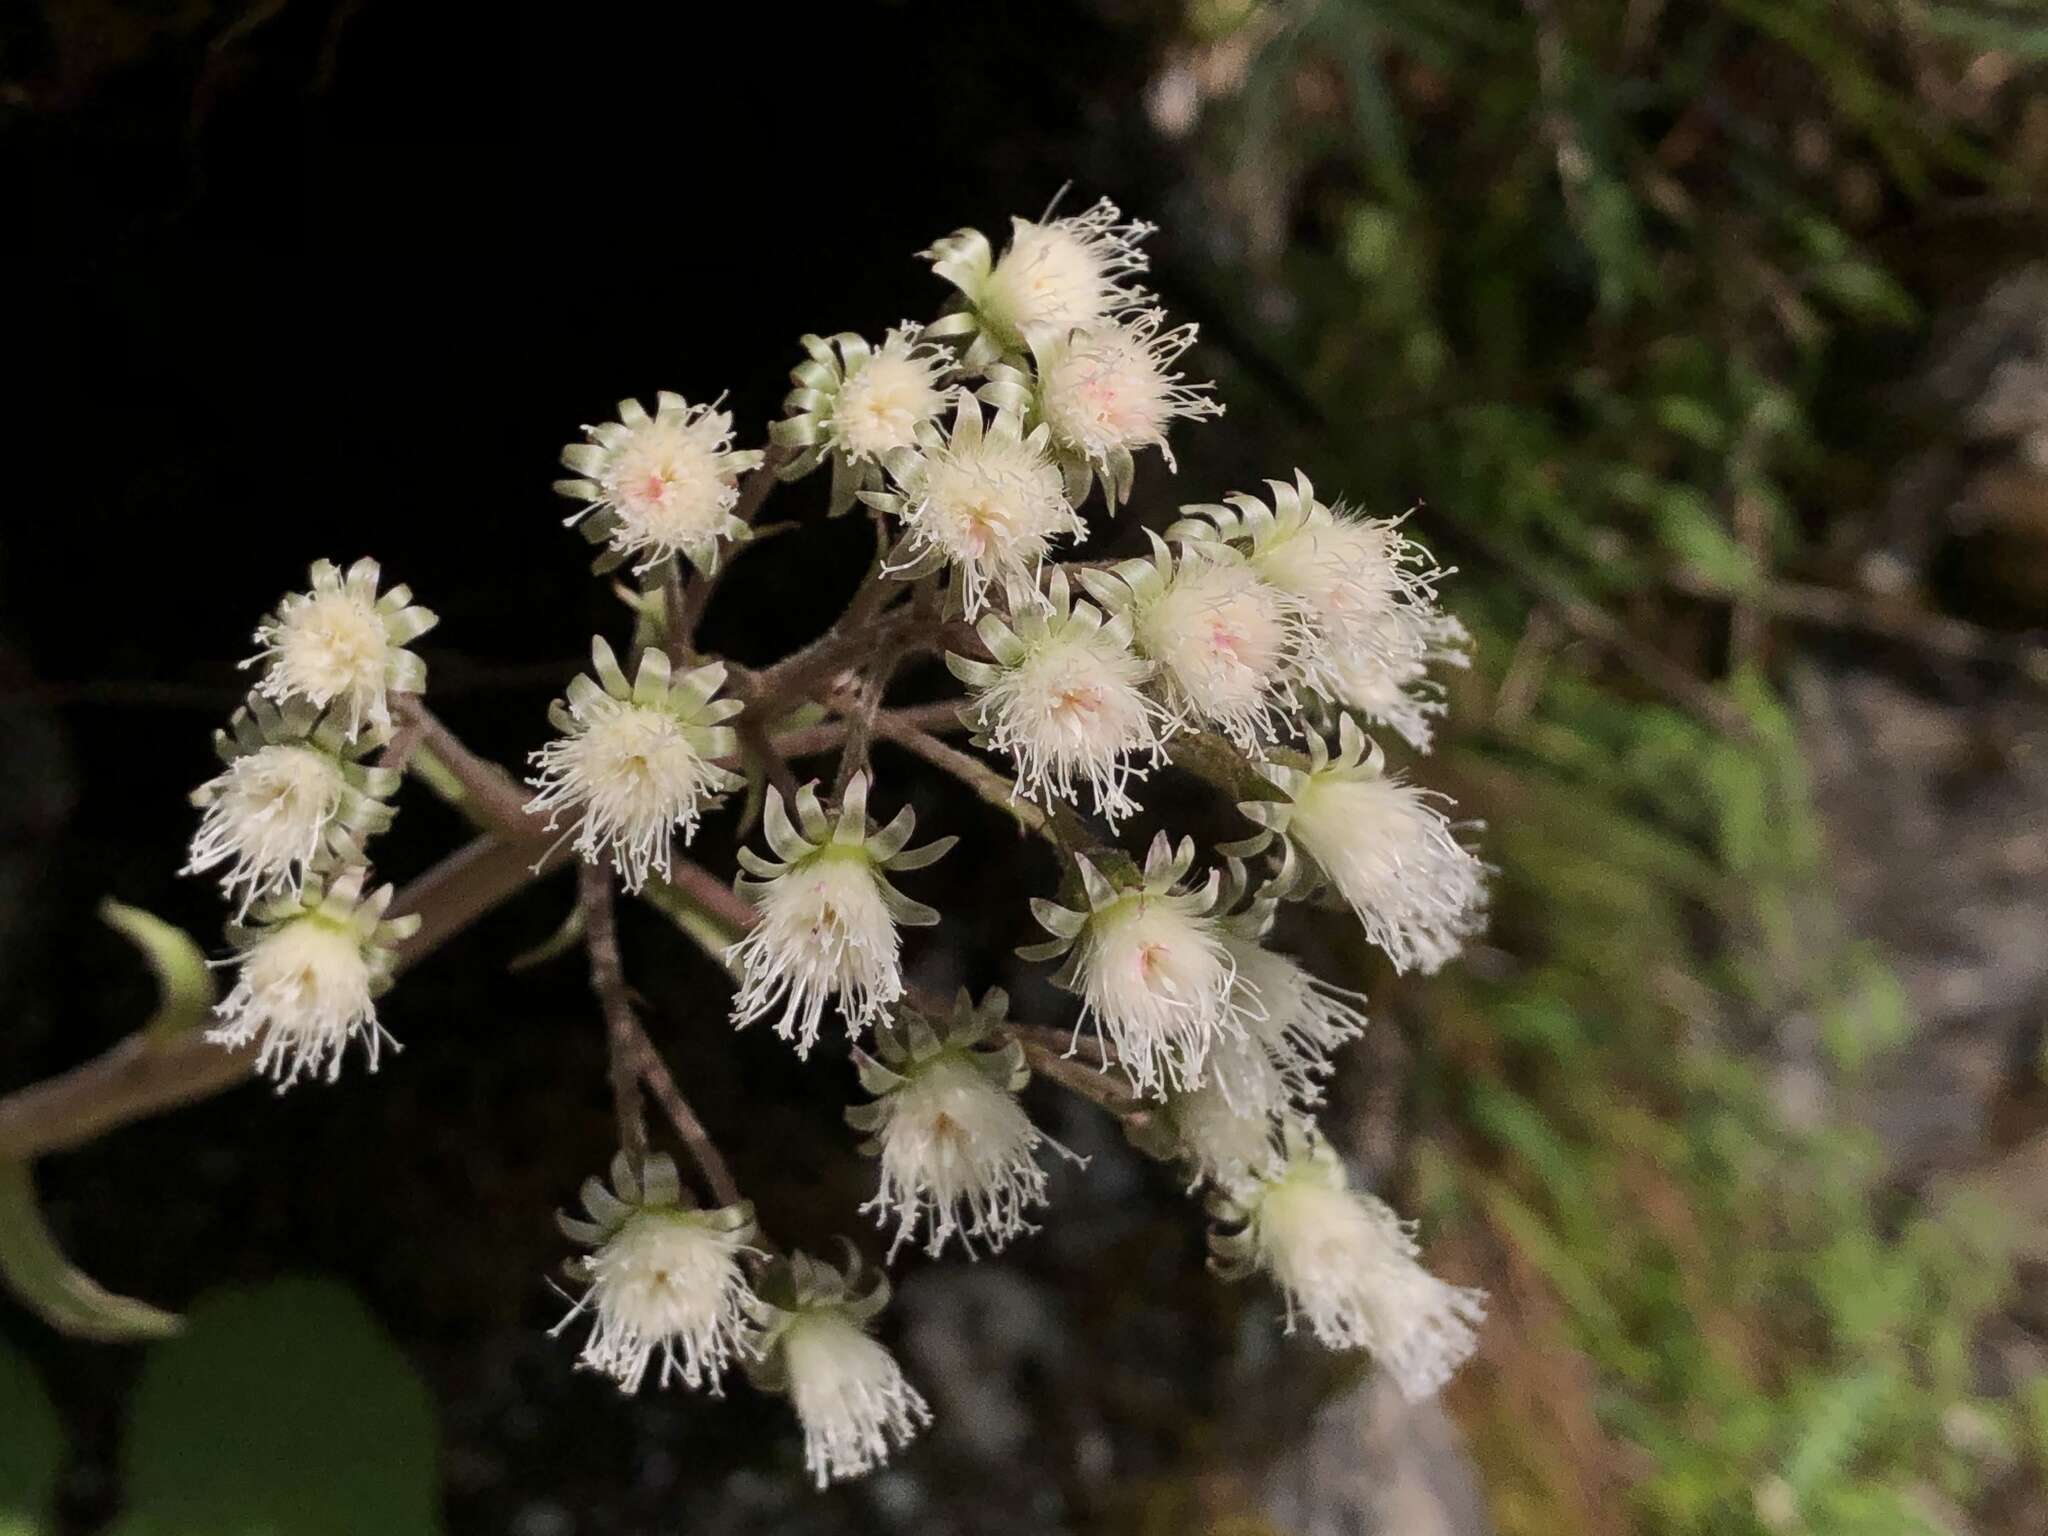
[1226, 643]
[1383, 844]
[856, 404]
[662, 1278]
[1066, 698]
[958, 1154]
[1056, 276]
[850, 1395]
[986, 502]
[1230, 1124]
[339, 645]
[1386, 679]
[1149, 963]
[310, 970]
[1299, 1019]
[828, 916]
[1347, 573]
[295, 795]
[1109, 392]
[659, 486]
[635, 760]
[1348, 1265]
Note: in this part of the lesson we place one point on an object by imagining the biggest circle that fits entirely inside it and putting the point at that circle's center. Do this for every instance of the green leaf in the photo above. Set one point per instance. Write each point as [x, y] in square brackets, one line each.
[282, 1411]
[185, 989]
[35, 1269]
[31, 1449]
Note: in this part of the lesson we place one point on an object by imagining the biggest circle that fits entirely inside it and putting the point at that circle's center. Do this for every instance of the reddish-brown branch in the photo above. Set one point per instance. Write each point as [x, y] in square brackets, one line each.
[138, 1078]
[608, 981]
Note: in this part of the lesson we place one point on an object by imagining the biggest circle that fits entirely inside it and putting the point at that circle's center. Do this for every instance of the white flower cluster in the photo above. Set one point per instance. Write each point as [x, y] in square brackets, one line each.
[1251, 644]
[287, 821]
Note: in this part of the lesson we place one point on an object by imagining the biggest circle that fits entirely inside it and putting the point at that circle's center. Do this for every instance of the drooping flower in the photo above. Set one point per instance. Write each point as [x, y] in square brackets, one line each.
[1387, 678]
[1109, 392]
[1230, 1124]
[1383, 844]
[1226, 643]
[828, 914]
[659, 486]
[850, 1395]
[1297, 1018]
[295, 795]
[342, 646]
[1347, 1264]
[1148, 961]
[635, 760]
[663, 1277]
[1349, 574]
[310, 970]
[855, 405]
[1065, 697]
[986, 501]
[1056, 276]
[958, 1154]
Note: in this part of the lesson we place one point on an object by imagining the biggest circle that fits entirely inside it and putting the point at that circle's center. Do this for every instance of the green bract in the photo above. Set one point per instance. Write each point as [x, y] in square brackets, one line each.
[912, 1044]
[789, 1288]
[1166, 865]
[821, 380]
[849, 834]
[337, 902]
[657, 1190]
[362, 812]
[1298, 876]
[1249, 521]
[690, 699]
[1234, 1208]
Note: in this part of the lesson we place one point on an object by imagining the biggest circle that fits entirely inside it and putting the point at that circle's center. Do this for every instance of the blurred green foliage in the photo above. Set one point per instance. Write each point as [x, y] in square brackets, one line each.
[1595, 280]
[31, 1449]
[279, 1411]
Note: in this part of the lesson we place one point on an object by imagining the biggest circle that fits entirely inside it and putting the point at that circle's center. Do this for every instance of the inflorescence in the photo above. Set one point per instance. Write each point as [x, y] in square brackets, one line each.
[1252, 643]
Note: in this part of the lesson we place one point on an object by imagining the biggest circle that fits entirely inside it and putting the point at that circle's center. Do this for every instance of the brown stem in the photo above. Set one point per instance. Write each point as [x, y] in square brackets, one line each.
[608, 981]
[810, 740]
[634, 1060]
[1091, 1083]
[655, 1074]
[497, 800]
[137, 1077]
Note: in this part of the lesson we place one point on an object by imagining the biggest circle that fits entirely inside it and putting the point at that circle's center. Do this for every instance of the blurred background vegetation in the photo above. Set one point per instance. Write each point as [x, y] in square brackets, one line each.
[1709, 338]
